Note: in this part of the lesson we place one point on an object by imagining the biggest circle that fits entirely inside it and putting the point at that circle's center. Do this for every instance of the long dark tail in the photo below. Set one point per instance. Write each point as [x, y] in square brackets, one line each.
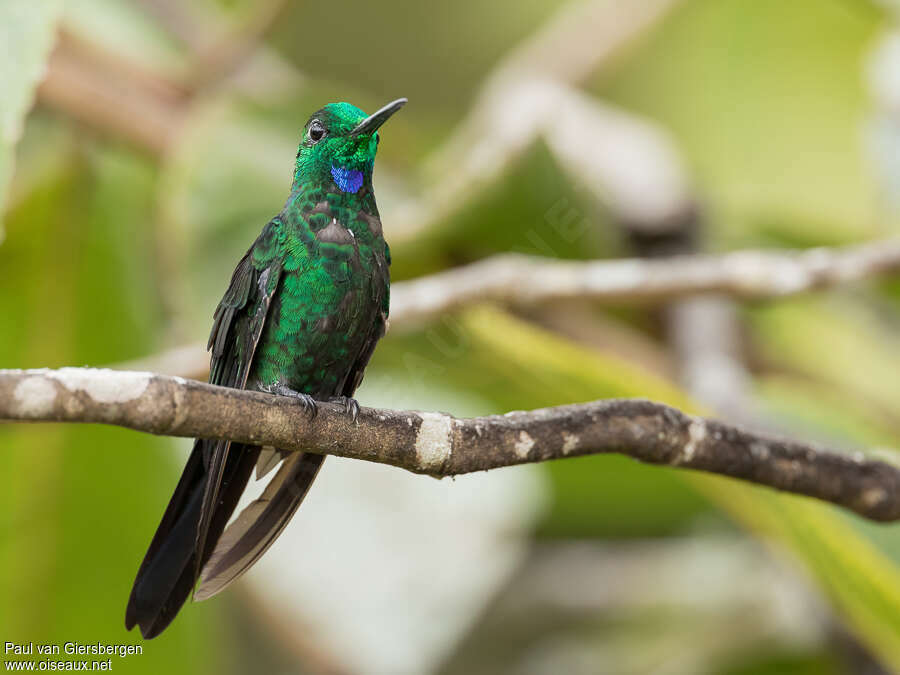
[169, 570]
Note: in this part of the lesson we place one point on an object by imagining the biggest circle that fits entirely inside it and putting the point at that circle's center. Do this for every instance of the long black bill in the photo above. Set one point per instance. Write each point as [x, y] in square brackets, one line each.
[376, 119]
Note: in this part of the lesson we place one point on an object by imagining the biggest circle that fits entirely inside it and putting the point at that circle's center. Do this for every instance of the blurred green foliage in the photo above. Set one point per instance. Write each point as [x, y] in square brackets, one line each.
[767, 100]
[111, 254]
[80, 293]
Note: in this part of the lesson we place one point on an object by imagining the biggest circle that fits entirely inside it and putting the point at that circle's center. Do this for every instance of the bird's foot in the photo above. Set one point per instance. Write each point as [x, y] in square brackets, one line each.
[351, 406]
[305, 400]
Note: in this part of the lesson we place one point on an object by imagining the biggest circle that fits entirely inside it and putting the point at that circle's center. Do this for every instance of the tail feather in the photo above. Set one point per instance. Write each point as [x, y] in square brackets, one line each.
[269, 458]
[175, 526]
[169, 569]
[259, 524]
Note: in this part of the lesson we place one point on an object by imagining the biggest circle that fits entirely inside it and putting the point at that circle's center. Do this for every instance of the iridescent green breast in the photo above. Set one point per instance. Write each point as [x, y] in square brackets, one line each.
[331, 297]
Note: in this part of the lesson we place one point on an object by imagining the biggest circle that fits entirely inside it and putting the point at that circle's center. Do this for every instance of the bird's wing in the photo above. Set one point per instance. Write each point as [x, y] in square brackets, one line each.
[263, 520]
[233, 344]
[216, 472]
[382, 289]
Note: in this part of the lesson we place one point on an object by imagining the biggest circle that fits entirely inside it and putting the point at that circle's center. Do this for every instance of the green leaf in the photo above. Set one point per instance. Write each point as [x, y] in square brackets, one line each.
[848, 341]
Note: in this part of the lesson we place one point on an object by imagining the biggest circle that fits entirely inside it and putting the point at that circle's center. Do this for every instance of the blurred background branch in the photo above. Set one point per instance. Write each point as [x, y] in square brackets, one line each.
[524, 281]
[520, 280]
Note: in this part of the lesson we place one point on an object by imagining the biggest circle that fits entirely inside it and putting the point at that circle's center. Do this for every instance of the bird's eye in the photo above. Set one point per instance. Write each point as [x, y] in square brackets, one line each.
[316, 131]
[377, 139]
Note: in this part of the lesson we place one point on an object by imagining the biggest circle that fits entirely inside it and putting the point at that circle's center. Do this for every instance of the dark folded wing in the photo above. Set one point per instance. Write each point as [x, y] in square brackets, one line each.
[216, 472]
[233, 344]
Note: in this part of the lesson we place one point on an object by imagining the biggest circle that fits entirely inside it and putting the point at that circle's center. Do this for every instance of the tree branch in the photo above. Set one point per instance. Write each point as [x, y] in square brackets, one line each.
[524, 280]
[441, 445]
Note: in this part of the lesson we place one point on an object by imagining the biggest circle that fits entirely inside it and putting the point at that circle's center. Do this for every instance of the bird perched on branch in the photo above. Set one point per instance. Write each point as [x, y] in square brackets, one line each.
[301, 317]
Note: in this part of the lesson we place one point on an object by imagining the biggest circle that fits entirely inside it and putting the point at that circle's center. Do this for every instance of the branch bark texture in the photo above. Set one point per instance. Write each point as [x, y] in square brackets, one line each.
[438, 444]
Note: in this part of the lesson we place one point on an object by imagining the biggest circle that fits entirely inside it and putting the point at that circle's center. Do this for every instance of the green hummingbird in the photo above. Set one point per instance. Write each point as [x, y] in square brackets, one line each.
[305, 307]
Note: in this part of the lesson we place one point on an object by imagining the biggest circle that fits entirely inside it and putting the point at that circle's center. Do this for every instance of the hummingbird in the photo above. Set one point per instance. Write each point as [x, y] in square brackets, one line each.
[302, 314]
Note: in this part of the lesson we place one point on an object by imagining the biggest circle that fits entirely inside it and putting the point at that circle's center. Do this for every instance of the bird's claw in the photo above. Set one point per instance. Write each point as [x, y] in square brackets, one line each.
[351, 406]
[308, 403]
[305, 400]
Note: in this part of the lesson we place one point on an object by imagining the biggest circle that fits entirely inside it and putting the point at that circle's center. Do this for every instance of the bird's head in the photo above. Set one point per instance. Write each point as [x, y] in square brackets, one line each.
[339, 145]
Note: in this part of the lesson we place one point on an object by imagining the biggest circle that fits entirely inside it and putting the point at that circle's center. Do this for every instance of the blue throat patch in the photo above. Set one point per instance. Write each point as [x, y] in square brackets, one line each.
[348, 180]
